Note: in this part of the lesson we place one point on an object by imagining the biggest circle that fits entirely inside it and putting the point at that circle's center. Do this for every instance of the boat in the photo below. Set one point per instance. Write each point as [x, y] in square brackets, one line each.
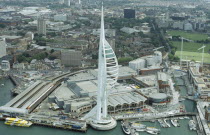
[125, 128]
[141, 130]
[133, 132]
[181, 118]
[2, 84]
[153, 129]
[186, 117]
[168, 125]
[17, 122]
[152, 132]
[175, 122]
[162, 124]
[192, 125]
[138, 126]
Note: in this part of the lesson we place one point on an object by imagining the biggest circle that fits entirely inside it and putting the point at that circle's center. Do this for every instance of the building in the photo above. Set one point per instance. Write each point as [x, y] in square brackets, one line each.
[30, 35]
[129, 13]
[129, 30]
[188, 27]
[71, 58]
[60, 17]
[3, 51]
[147, 63]
[178, 25]
[67, 2]
[5, 65]
[207, 113]
[41, 26]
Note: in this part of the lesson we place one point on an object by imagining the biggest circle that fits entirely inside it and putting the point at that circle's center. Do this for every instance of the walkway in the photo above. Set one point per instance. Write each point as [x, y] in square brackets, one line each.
[152, 116]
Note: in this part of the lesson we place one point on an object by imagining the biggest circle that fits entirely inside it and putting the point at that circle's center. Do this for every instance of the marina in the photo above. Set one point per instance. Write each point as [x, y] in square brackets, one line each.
[155, 127]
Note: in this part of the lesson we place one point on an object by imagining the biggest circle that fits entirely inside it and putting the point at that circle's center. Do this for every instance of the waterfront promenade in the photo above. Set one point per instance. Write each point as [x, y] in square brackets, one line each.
[152, 116]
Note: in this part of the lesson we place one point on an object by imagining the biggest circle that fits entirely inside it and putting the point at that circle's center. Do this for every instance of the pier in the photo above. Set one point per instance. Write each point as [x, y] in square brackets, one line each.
[153, 116]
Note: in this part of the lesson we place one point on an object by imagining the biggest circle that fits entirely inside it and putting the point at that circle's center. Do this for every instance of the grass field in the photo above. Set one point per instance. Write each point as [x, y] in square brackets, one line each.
[194, 56]
[190, 46]
[188, 35]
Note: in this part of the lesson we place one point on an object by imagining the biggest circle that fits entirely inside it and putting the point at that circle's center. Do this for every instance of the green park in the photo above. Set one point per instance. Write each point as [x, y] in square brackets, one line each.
[188, 35]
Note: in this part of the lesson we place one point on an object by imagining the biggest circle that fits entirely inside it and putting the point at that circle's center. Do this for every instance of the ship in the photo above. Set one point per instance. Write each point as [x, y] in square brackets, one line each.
[192, 125]
[125, 128]
[17, 122]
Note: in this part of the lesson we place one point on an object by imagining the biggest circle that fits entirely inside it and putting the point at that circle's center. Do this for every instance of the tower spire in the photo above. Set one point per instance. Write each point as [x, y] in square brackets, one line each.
[107, 77]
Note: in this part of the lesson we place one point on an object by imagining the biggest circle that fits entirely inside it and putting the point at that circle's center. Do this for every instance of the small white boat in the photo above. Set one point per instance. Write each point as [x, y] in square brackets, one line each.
[141, 130]
[186, 117]
[153, 129]
[133, 132]
[162, 124]
[125, 128]
[168, 125]
[192, 125]
[138, 126]
[152, 132]
[181, 118]
[174, 122]
[2, 84]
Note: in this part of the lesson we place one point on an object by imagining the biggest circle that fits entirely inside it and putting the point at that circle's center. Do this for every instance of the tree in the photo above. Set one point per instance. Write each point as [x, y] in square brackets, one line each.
[176, 58]
[52, 57]
[52, 51]
[2, 25]
[124, 59]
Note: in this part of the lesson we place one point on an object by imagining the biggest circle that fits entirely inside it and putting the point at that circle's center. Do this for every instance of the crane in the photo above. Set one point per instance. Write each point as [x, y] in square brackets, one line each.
[202, 53]
[181, 52]
[158, 48]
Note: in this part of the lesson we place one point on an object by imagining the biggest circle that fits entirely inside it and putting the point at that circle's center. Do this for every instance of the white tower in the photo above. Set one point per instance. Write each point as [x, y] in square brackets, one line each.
[107, 77]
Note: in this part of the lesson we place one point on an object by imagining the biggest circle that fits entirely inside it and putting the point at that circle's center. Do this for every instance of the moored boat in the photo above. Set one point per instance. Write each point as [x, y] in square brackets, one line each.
[125, 128]
[175, 122]
[152, 132]
[138, 126]
[17, 122]
[153, 129]
[162, 124]
[168, 125]
[192, 125]
[133, 132]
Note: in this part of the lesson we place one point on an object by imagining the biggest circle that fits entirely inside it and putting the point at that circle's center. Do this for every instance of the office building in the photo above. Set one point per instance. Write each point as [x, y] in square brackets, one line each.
[71, 58]
[41, 26]
[2, 48]
[129, 13]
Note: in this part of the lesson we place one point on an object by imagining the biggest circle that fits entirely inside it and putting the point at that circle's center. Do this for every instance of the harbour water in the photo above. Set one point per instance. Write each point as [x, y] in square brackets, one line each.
[5, 96]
